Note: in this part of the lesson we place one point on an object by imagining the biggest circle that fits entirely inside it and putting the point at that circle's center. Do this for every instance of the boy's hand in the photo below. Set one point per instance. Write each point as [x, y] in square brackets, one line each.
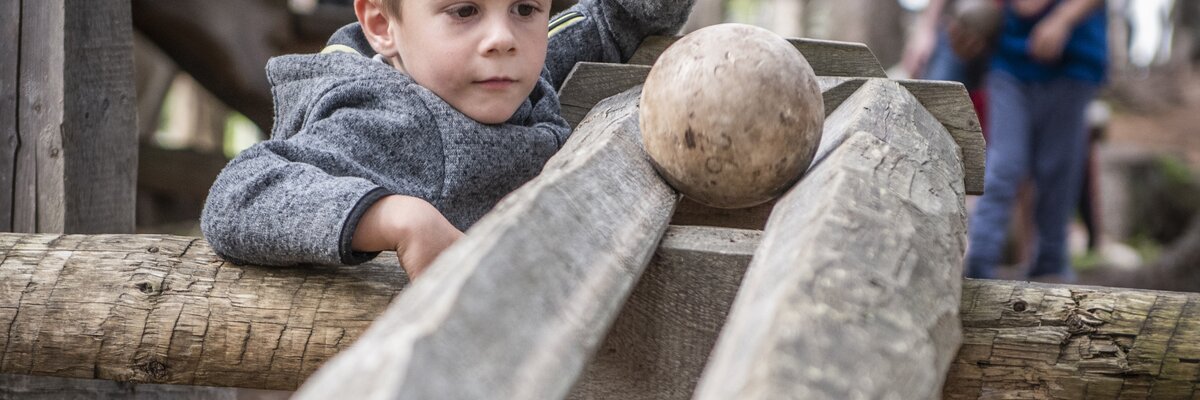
[410, 226]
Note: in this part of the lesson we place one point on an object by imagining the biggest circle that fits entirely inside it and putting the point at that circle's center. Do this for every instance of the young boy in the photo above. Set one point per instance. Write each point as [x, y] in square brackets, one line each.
[412, 124]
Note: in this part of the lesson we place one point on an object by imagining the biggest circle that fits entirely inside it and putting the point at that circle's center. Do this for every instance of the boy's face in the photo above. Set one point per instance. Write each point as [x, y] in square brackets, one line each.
[483, 57]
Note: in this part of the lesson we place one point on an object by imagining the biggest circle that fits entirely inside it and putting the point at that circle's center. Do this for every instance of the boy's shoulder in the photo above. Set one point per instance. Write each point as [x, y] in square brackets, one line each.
[309, 87]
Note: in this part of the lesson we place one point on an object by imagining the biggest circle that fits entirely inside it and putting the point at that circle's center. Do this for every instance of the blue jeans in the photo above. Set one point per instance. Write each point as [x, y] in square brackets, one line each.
[1038, 130]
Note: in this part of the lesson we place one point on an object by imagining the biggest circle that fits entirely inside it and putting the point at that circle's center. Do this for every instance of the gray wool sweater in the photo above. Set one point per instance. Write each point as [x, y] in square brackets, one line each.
[350, 130]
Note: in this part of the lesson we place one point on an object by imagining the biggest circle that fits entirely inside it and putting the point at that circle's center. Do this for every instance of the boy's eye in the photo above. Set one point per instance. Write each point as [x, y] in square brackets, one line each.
[525, 10]
[465, 11]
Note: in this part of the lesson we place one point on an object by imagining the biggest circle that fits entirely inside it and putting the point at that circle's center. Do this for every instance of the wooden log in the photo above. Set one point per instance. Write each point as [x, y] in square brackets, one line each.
[660, 342]
[1038, 341]
[78, 136]
[854, 291]
[164, 309]
[516, 308]
[210, 313]
[827, 57]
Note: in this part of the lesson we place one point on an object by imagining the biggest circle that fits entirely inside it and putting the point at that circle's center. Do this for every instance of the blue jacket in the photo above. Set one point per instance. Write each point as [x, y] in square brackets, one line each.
[1085, 55]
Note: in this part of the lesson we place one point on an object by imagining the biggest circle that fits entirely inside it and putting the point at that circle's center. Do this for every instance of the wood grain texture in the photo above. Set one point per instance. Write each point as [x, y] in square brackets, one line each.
[10, 27]
[517, 307]
[690, 212]
[165, 309]
[658, 345]
[588, 83]
[41, 47]
[854, 292]
[827, 58]
[77, 306]
[951, 105]
[1036, 341]
[77, 104]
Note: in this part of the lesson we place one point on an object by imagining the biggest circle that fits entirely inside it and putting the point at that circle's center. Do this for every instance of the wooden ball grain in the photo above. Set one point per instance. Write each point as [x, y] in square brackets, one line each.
[731, 115]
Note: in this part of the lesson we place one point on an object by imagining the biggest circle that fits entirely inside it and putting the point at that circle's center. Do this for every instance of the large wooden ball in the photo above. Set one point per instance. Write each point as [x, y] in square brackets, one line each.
[731, 115]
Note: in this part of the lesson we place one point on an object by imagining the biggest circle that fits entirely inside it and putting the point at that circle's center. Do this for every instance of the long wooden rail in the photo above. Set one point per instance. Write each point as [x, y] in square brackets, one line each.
[854, 291]
[1021, 340]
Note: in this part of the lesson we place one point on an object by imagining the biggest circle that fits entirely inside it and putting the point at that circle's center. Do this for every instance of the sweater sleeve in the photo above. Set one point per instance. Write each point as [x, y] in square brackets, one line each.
[608, 31]
[298, 200]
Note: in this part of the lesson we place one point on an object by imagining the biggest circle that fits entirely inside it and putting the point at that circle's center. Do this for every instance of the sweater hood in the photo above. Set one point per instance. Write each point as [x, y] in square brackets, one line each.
[298, 81]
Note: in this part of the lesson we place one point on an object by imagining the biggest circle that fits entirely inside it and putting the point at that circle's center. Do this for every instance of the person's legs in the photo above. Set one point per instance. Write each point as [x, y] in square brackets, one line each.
[1008, 163]
[1060, 150]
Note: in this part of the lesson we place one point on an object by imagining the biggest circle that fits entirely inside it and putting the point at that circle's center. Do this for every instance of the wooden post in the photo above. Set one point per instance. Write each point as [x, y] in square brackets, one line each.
[854, 291]
[10, 28]
[77, 137]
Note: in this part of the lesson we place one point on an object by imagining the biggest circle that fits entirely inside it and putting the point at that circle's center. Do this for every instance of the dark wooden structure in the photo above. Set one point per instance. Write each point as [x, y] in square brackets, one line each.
[68, 124]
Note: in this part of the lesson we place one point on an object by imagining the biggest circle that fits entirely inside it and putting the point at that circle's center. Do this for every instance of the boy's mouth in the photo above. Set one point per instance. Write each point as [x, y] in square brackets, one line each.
[498, 82]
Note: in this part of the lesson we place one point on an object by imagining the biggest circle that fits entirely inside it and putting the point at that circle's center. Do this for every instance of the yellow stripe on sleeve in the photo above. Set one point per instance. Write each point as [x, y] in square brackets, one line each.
[564, 24]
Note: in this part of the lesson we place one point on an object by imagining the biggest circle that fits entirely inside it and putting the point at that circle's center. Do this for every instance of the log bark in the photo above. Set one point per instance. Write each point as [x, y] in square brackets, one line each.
[166, 309]
[516, 308]
[854, 291]
[1038, 341]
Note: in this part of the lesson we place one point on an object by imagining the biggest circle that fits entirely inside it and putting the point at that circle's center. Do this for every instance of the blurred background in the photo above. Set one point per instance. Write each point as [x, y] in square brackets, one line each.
[203, 97]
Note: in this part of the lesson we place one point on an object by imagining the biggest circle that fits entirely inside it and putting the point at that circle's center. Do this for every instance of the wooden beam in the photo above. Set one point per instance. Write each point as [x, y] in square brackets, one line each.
[827, 57]
[78, 143]
[10, 27]
[1028, 340]
[659, 344]
[854, 292]
[516, 308]
[950, 103]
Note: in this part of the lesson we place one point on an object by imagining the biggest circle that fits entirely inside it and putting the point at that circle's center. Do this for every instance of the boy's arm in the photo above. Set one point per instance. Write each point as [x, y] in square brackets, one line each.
[608, 31]
[301, 200]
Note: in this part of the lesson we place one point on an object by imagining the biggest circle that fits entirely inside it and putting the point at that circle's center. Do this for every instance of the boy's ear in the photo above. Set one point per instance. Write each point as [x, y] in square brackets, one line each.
[374, 22]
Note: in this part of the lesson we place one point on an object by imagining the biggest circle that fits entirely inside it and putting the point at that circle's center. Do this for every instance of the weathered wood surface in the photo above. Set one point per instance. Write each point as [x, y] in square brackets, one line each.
[854, 292]
[78, 295]
[690, 212]
[658, 345]
[30, 387]
[164, 309]
[10, 28]
[1037, 341]
[950, 103]
[78, 143]
[827, 58]
[589, 82]
[517, 307]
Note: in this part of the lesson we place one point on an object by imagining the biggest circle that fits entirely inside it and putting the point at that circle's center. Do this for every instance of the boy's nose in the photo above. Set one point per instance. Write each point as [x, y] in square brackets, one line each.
[499, 40]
